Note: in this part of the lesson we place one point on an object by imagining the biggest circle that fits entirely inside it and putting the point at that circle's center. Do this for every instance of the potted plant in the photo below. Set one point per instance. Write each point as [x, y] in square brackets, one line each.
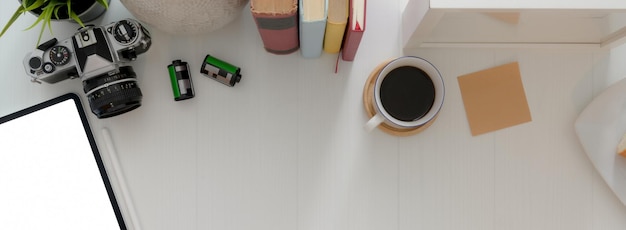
[77, 10]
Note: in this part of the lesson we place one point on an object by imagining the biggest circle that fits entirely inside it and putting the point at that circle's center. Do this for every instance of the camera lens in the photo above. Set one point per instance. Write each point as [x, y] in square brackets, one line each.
[113, 94]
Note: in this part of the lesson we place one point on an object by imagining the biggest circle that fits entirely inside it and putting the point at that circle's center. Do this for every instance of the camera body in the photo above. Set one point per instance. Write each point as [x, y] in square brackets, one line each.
[99, 56]
[90, 52]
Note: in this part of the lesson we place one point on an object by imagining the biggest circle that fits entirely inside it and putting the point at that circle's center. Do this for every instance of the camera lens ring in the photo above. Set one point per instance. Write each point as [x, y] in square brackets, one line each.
[113, 94]
[106, 106]
[124, 72]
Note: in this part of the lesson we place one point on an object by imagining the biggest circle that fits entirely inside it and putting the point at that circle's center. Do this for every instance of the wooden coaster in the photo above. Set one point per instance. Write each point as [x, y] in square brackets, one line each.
[370, 110]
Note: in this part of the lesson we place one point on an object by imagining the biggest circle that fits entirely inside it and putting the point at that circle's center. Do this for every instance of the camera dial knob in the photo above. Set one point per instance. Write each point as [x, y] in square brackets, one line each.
[59, 55]
[125, 32]
[48, 67]
[129, 54]
[34, 62]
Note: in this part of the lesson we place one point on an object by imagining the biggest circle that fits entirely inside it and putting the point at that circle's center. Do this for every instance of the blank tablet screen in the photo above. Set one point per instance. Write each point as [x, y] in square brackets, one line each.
[51, 173]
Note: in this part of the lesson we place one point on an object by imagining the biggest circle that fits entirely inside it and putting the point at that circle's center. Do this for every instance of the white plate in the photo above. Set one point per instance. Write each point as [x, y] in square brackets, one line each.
[599, 128]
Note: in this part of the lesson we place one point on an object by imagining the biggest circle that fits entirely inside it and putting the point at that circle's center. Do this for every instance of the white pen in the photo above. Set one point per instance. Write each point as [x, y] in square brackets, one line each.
[108, 141]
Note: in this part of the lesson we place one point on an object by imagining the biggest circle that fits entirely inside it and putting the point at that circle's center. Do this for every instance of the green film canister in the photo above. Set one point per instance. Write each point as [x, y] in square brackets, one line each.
[182, 86]
[221, 71]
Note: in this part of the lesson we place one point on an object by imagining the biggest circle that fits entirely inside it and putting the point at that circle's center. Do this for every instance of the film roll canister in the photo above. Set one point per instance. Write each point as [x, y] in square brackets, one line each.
[182, 86]
[221, 71]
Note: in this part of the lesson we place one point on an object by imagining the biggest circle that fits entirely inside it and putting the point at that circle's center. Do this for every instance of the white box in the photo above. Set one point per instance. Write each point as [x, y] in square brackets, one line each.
[510, 23]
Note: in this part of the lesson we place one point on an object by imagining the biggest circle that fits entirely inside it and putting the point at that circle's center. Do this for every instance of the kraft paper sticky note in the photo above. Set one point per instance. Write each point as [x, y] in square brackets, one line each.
[494, 98]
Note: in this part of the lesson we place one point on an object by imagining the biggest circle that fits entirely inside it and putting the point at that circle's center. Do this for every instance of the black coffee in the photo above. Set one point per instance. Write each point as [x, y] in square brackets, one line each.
[407, 93]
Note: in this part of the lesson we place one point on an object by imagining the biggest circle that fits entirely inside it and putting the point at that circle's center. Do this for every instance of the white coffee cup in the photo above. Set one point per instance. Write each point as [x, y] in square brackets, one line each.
[406, 68]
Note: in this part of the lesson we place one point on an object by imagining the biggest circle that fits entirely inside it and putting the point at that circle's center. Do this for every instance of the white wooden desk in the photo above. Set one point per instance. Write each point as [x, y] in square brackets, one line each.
[286, 148]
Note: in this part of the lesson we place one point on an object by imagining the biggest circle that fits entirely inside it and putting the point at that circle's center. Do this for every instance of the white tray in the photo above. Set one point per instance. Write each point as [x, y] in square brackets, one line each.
[599, 128]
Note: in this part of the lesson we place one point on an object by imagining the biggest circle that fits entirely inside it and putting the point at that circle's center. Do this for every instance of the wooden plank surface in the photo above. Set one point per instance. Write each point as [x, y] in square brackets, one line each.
[286, 147]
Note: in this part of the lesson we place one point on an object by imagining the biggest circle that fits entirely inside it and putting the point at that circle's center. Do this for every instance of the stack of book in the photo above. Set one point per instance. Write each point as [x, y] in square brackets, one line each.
[310, 25]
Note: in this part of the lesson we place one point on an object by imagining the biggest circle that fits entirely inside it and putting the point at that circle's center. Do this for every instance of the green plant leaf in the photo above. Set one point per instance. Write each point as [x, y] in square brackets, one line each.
[76, 18]
[55, 3]
[104, 3]
[69, 6]
[57, 7]
[49, 12]
[73, 15]
[45, 18]
[35, 5]
[39, 19]
[13, 18]
[43, 26]
[56, 12]
[49, 9]
[27, 3]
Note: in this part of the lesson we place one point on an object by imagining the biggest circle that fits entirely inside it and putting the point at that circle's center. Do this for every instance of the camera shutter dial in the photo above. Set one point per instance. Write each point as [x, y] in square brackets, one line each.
[125, 32]
[59, 55]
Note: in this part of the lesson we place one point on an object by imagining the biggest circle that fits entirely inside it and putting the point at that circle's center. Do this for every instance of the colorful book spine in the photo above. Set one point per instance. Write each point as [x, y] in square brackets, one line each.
[335, 25]
[312, 31]
[279, 32]
[355, 29]
[334, 37]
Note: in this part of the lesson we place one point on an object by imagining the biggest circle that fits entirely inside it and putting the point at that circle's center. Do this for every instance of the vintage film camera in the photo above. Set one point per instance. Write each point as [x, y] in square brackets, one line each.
[99, 56]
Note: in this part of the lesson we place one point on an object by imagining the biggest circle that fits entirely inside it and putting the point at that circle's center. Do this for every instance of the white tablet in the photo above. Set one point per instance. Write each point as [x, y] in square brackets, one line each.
[51, 173]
